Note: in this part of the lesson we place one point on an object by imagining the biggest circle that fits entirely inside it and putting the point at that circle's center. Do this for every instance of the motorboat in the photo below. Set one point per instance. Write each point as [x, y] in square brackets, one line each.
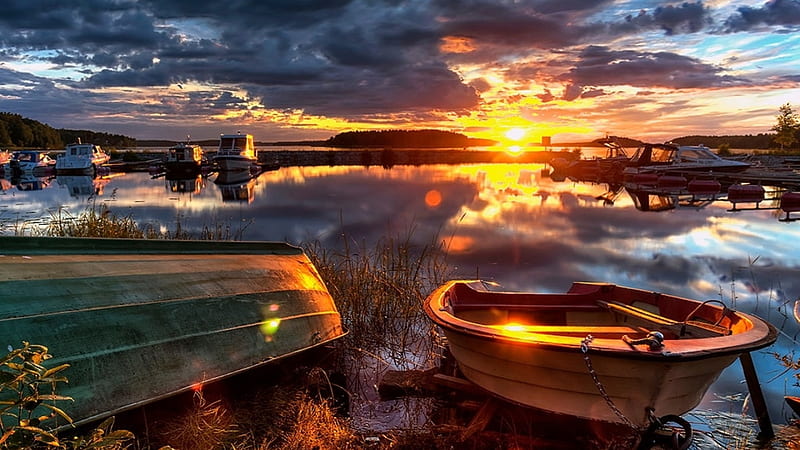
[81, 158]
[600, 351]
[5, 156]
[236, 152]
[139, 320]
[31, 162]
[664, 158]
[184, 158]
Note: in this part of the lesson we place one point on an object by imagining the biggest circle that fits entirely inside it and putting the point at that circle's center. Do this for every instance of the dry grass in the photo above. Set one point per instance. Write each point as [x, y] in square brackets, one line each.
[380, 290]
[99, 221]
[273, 417]
[204, 426]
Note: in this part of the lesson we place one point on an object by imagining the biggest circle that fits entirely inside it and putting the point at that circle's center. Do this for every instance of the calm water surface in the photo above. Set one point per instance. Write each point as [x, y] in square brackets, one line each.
[506, 223]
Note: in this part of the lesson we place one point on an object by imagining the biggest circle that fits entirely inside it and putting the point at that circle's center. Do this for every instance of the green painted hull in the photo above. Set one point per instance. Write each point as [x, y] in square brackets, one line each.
[140, 320]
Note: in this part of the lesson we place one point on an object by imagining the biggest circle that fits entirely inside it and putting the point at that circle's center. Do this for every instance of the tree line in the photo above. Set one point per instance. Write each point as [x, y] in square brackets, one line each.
[21, 132]
[405, 139]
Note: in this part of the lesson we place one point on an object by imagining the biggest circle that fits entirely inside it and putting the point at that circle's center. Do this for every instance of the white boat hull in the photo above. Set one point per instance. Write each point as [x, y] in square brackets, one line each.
[561, 352]
[560, 382]
[230, 163]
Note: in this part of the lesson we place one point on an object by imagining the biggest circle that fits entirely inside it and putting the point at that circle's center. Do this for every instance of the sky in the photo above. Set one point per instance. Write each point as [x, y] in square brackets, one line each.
[510, 70]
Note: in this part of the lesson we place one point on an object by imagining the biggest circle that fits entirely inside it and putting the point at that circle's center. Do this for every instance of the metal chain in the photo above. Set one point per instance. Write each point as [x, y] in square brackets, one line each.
[585, 349]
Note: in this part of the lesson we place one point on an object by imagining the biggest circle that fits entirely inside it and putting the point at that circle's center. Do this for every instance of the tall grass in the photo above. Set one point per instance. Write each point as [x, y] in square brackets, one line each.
[100, 221]
[380, 290]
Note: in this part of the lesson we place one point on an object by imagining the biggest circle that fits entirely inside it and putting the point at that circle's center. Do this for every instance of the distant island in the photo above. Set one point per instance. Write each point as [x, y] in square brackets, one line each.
[406, 139]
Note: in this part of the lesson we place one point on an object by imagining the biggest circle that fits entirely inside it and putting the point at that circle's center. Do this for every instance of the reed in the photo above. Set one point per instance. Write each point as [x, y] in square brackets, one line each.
[97, 222]
[380, 290]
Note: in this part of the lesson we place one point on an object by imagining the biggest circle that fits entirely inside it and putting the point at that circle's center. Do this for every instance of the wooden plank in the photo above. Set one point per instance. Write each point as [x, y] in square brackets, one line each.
[757, 396]
[598, 331]
[456, 383]
[679, 329]
[481, 418]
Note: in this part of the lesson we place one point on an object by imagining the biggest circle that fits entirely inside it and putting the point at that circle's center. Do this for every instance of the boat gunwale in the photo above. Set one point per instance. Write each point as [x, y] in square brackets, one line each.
[36, 245]
[688, 349]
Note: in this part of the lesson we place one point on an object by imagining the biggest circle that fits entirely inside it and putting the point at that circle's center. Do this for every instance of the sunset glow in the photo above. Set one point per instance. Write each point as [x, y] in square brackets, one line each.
[639, 69]
[515, 134]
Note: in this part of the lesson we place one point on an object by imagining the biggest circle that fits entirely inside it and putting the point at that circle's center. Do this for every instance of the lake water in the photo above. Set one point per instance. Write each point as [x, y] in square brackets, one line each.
[506, 223]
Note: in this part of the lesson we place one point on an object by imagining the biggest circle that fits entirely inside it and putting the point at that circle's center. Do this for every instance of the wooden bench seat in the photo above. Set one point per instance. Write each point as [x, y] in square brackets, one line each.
[598, 331]
[524, 307]
[689, 329]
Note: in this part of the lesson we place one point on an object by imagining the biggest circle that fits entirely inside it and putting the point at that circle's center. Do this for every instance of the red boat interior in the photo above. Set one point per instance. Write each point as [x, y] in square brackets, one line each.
[602, 310]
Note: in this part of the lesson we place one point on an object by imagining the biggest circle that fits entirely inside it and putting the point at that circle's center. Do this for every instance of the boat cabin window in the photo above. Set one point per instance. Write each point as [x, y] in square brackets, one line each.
[239, 143]
[696, 155]
[661, 155]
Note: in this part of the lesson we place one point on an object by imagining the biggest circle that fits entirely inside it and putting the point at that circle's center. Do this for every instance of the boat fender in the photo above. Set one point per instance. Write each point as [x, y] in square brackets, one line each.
[659, 433]
[654, 340]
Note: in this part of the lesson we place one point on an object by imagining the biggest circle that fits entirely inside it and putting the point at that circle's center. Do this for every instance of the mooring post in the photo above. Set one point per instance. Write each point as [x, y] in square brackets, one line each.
[757, 397]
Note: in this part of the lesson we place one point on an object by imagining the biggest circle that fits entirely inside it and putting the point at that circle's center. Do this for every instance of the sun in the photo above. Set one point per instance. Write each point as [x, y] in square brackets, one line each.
[515, 134]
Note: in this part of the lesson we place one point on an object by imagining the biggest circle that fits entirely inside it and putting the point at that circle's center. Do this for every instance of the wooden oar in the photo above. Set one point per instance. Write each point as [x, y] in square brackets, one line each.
[680, 329]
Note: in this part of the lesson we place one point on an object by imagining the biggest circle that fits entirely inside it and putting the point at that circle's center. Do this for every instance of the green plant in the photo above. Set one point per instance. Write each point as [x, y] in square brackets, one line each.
[27, 397]
[28, 414]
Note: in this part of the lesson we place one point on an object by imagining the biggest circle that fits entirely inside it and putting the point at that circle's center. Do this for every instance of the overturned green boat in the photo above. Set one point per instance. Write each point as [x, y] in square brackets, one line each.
[140, 320]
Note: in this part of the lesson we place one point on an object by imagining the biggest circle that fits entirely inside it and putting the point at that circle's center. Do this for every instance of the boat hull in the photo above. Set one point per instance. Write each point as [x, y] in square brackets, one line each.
[234, 163]
[142, 320]
[560, 352]
[560, 382]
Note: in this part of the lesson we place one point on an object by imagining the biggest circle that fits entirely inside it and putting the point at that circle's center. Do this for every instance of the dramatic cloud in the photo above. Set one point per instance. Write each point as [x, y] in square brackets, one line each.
[459, 64]
[601, 66]
[773, 12]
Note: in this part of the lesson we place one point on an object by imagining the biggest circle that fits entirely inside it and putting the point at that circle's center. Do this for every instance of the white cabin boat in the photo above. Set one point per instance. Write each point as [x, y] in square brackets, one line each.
[81, 158]
[184, 158]
[236, 152]
[31, 162]
[664, 158]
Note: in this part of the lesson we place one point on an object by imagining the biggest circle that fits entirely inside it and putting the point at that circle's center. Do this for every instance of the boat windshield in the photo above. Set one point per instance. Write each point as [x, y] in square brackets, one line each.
[82, 150]
[662, 155]
[26, 156]
[239, 143]
[697, 154]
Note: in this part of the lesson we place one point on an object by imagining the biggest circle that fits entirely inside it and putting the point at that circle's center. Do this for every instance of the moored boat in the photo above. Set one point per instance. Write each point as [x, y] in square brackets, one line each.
[140, 320]
[599, 351]
[31, 162]
[671, 158]
[236, 152]
[80, 158]
[183, 158]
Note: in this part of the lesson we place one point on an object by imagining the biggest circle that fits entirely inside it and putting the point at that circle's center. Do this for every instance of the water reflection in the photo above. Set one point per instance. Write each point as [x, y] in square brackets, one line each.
[508, 223]
[24, 181]
[236, 185]
[82, 186]
[185, 184]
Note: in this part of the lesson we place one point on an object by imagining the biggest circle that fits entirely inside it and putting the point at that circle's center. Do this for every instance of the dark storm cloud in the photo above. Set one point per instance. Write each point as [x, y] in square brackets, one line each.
[557, 6]
[684, 18]
[357, 58]
[775, 12]
[252, 13]
[602, 66]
